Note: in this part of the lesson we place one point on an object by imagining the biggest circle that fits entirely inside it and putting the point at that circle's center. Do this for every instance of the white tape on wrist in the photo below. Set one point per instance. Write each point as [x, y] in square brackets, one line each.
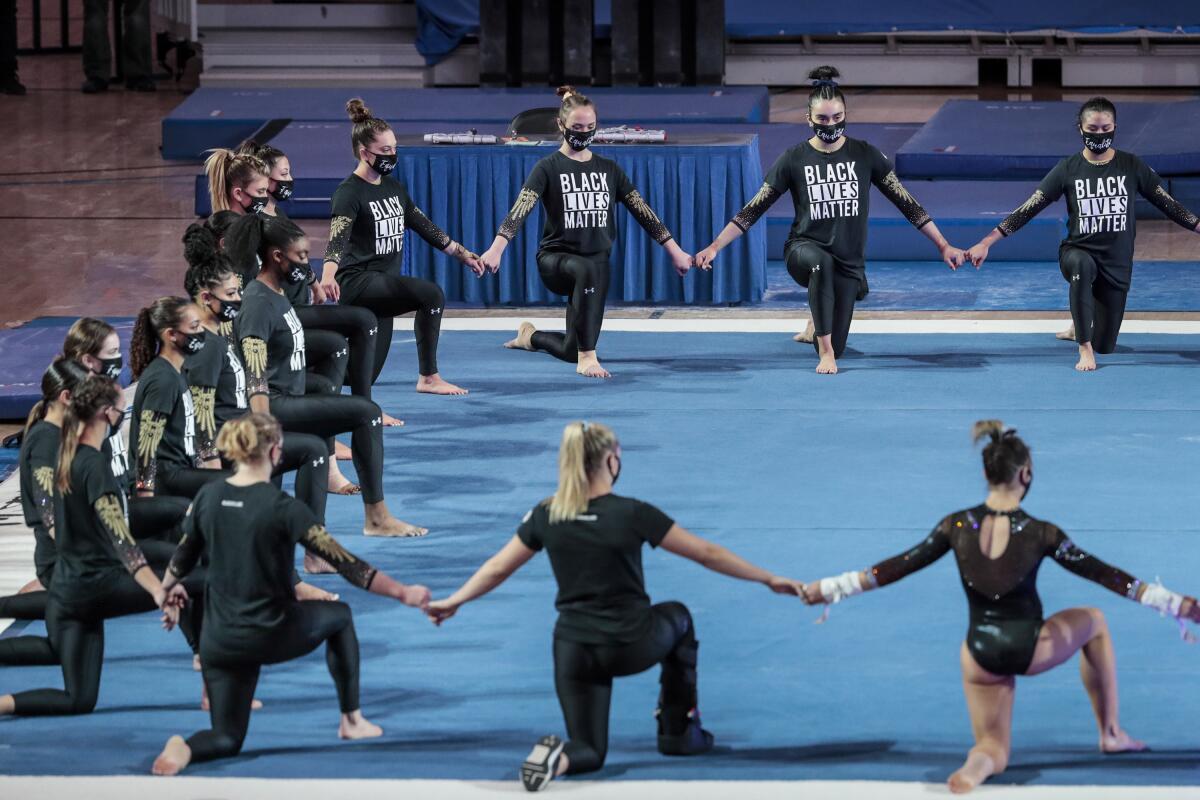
[839, 587]
[1161, 599]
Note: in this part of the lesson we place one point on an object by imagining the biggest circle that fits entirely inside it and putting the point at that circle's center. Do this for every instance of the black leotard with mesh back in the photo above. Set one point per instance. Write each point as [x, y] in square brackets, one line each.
[1005, 610]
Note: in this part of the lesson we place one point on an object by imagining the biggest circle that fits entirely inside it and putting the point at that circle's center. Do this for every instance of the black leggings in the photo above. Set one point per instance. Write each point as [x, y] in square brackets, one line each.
[325, 416]
[831, 293]
[583, 676]
[584, 280]
[231, 672]
[308, 456]
[358, 327]
[1097, 306]
[157, 518]
[388, 296]
[327, 354]
[76, 641]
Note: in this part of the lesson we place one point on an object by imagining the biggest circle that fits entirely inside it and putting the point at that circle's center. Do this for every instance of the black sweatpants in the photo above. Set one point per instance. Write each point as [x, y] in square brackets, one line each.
[358, 327]
[583, 675]
[327, 415]
[1097, 306]
[584, 280]
[306, 455]
[231, 670]
[832, 292]
[388, 296]
[76, 641]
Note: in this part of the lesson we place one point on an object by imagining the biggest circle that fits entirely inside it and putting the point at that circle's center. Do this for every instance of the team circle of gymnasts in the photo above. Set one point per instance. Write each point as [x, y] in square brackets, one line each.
[241, 381]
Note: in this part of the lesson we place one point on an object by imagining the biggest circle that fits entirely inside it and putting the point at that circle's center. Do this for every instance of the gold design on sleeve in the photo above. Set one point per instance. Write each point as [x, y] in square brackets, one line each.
[638, 205]
[112, 515]
[1033, 202]
[526, 200]
[151, 426]
[338, 226]
[44, 477]
[329, 548]
[255, 351]
[204, 398]
[226, 328]
[894, 185]
[765, 191]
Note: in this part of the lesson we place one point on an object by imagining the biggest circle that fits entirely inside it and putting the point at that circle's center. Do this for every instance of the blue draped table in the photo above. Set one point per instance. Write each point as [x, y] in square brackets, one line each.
[695, 183]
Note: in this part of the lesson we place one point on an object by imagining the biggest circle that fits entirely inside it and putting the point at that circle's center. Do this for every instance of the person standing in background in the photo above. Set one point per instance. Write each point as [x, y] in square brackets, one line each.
[135, 48]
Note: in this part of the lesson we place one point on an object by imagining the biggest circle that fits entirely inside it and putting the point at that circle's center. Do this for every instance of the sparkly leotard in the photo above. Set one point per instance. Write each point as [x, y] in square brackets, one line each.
[1005, 610]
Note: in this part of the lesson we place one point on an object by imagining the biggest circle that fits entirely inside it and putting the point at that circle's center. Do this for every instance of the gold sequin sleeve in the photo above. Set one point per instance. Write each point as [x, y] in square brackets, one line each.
[319, 542]
[43, 496]
[1025, 212]
[254, 355]
[427, 229]
[204, 399]
[151, 426]
[763, 199]
[1175, 211]
[339, 238]
[110, 511]
[646, 217]
[894, 190]
[521, 209]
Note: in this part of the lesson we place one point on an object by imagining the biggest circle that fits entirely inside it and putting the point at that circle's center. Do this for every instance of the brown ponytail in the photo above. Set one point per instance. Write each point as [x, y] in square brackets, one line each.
[571, 100]
[366, 126]
[163, 314]
[227, 171]
[63, 375]
[249, 437]
[86, 338]
[92, 394]
[1004, 455]
[583, 446]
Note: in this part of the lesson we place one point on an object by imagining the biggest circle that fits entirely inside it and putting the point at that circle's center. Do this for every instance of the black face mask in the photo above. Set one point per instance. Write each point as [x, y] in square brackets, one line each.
[193, 342]
[1027, 486]
[830, 133]
[296, 272]
[617, 474]
[579, 140]
[283, 190]
[384, 163]
[111, 367]
[257, 204]
[1098, 142]
[229, 309]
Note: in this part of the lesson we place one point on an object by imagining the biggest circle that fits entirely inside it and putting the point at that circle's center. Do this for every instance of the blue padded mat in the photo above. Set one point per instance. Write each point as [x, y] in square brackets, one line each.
[223, 117]
[975, 139]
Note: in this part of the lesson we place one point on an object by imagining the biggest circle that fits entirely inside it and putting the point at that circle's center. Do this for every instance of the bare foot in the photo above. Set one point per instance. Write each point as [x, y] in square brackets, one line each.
[339, 483]
[306, 591]
[315, 565]
[589, 367]
[524, 340]
[977, 769]
[435, 384]
[33, 586]
[827, 366]
[176, 755]
[394, 528]
[1067, 336]
[810, 333]
[196, 667]
[1120, 742]
[1087, 359]
[341, 452]
[392, 422]
[355, 726]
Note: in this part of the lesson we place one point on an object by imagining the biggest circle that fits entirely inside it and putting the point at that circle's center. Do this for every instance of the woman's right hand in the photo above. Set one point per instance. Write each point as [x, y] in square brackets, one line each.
[704, 259]
[978, 254]
[1190, 609]
[440, 610]
[415, 596]
[812, 594]
[491, 259]
[786, 586]
[329, 284]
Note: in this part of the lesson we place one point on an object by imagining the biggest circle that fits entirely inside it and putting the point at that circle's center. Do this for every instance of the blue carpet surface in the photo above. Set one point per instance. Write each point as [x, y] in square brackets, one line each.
[737, 438]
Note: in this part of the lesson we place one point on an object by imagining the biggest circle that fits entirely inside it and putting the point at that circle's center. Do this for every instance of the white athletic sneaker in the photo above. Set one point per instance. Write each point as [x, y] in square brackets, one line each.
[541, 764]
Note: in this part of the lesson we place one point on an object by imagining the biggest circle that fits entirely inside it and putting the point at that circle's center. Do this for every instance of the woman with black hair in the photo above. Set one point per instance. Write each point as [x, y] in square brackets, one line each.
[249, 530]
[607, 627]
[272, 344]
[829, 177]
[998, 549]
[1096, 258]
[101, 572]
[371, 211]
[577, 188]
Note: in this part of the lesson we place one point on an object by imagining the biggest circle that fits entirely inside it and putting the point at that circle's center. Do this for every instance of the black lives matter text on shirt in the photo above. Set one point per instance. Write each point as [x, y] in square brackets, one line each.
[163, 391]
[388, 214]
[219, 367]
[368, 223]
[578, 198]
[267, 317]
[597, 563]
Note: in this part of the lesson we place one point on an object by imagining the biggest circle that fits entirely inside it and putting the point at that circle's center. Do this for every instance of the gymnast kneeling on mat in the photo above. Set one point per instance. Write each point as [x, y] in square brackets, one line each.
[830, 177]
[248, 530]
[606, 625]
[1096, 258]
[998, 548]
[578, 190]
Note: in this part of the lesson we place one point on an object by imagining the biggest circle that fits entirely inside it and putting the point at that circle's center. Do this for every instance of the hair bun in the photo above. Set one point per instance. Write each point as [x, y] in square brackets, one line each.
[566, 91]
[993, 428]
[825, 74]
[358, 110]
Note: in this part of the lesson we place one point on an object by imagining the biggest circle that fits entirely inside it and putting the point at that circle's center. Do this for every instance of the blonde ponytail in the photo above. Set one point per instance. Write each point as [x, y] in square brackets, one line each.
[92, 394]
[228, 170]
[249, 437]
[583, 446]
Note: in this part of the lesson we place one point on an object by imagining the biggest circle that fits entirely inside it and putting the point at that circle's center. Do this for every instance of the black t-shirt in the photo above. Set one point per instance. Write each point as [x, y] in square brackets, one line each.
[268, 316]
[249, 534]
[379, 212]
[832, 195]
[88, 565]
[118, 455]
[597, 562]
[218, 366]
[163, 390]
[580, 200]
[1100, 197]
[36, 464]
